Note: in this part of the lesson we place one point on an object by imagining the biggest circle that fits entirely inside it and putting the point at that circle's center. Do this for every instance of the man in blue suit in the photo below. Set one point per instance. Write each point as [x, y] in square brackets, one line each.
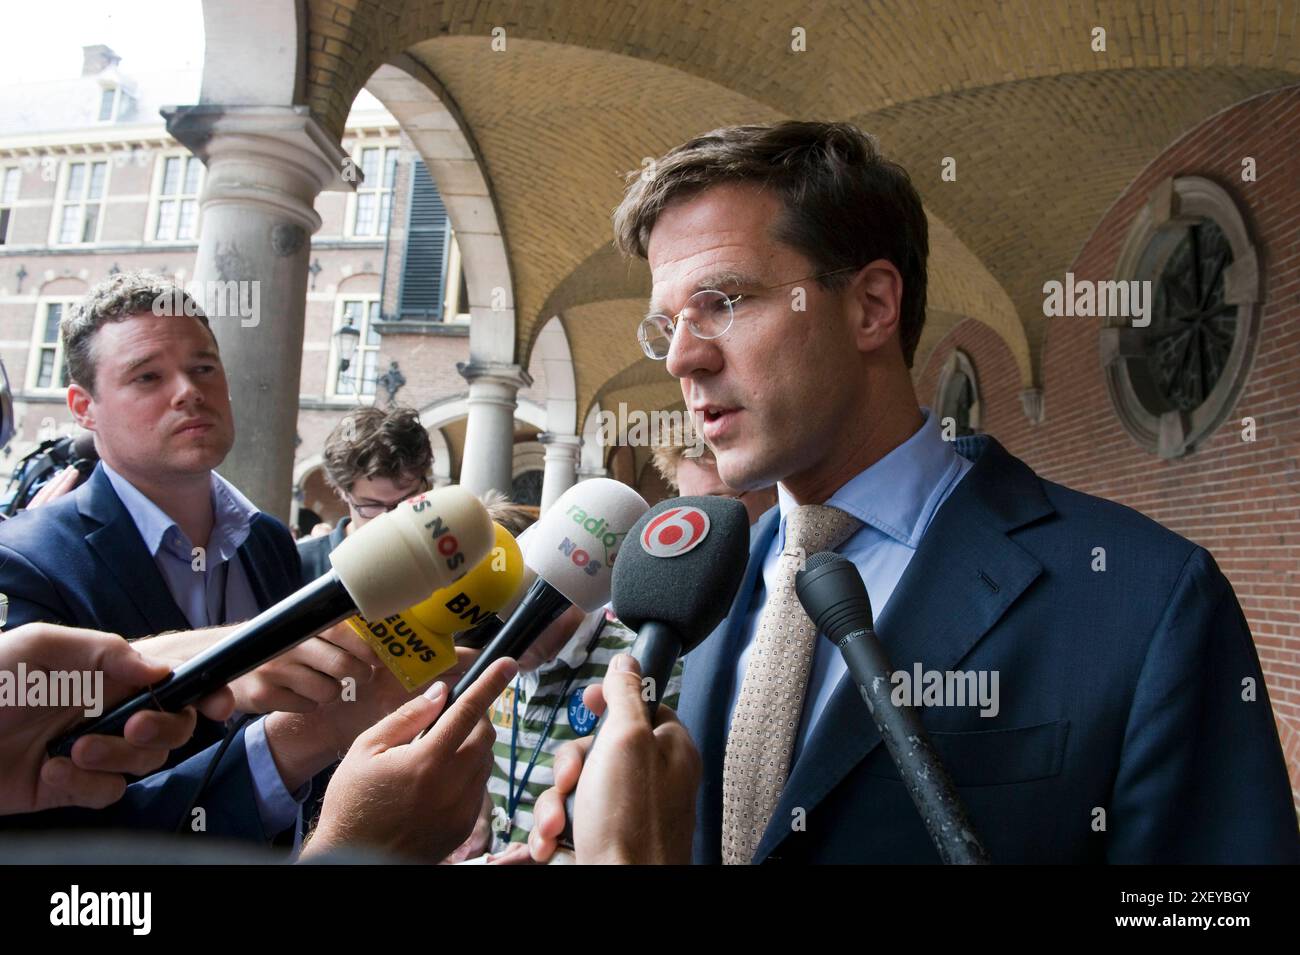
[157, 541]
[1116, 709]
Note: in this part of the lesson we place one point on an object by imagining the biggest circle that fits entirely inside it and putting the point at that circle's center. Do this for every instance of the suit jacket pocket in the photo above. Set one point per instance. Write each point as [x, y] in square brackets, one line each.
[991, 757]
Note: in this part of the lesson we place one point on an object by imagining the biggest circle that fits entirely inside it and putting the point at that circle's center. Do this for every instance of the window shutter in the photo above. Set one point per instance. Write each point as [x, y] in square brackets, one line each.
[424, 263]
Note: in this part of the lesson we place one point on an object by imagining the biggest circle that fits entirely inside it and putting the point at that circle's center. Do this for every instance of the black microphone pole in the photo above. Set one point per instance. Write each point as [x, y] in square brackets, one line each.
[833, 595]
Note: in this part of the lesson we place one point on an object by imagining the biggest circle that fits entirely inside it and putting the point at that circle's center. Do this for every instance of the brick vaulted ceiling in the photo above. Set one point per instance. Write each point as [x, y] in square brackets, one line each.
[1046, 133]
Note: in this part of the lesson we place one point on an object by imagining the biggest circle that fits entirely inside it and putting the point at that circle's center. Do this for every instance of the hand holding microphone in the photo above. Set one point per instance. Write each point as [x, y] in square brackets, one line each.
[409, 794]
[392, 563]
[636, 781]
[675, 581]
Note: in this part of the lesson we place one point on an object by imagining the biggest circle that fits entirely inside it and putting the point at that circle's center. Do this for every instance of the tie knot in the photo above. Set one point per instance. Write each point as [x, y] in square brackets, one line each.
[816, 527]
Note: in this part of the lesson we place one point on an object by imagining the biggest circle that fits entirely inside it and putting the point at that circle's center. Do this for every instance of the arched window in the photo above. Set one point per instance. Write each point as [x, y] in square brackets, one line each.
[958, 399]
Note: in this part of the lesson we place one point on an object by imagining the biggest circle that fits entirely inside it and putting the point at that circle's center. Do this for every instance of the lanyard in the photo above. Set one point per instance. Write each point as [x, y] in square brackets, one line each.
[513, 795]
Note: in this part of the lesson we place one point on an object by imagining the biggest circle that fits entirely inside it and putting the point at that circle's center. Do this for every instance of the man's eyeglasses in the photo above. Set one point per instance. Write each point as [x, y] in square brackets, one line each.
[708, 314]
[374, 509]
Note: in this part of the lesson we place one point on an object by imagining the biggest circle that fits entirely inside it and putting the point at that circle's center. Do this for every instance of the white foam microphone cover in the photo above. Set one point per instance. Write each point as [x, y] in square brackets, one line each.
[425, 544]
[573, 546]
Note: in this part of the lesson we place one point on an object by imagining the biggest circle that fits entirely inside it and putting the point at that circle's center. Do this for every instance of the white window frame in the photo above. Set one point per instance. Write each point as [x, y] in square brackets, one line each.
[61, 201]
[156, 198]
[366, 300]
[9, 205]
[377, 189]
[38, 345]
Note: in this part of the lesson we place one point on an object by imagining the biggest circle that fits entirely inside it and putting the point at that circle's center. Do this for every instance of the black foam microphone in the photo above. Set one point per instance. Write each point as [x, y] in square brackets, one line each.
[676, 578]
[674, 582]
[835, 599]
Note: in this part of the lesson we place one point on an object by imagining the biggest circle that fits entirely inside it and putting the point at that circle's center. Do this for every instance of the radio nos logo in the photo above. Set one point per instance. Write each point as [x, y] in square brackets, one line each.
[608, 539]
[444, 540]
[675, 532]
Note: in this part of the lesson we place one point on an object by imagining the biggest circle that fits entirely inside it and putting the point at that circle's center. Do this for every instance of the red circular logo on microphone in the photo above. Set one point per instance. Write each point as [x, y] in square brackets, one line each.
[674, 532]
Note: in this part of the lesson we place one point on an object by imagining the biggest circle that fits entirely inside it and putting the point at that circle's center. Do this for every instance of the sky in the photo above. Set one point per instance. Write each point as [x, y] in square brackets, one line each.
[42, 39]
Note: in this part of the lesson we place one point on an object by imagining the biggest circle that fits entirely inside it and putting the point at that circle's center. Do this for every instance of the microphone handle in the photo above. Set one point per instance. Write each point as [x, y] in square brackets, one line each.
[924, 775]
[539, 608]
[319, 605]
[657, 648]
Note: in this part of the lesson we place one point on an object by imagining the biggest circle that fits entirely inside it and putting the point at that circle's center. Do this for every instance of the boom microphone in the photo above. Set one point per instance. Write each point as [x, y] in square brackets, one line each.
[391, 563]
[572, 550]
[834, 597]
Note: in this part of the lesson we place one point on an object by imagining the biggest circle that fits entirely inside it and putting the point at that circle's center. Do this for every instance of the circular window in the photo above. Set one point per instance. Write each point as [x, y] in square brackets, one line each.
[1175, 367]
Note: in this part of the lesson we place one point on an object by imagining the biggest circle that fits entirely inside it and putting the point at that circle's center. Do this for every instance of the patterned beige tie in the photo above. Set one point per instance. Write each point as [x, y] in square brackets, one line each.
[765, 721]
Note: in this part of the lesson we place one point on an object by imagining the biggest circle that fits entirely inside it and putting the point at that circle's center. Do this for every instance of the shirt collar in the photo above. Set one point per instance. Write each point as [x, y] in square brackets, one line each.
[898, 494]
[232, 516]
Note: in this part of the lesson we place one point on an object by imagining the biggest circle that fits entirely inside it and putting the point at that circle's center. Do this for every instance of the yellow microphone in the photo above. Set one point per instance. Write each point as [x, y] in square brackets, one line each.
[417, 644]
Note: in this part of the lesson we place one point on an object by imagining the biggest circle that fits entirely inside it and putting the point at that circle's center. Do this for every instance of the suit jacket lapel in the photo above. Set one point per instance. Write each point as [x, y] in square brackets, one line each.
[707, 687]
[961, 580]
[259, 558]
[125, 559]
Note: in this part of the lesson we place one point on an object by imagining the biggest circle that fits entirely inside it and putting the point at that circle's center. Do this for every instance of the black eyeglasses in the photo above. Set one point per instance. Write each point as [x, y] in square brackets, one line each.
[374, 510]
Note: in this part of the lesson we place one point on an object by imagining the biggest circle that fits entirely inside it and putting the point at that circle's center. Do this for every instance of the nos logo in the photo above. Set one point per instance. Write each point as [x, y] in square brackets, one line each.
[674, 532]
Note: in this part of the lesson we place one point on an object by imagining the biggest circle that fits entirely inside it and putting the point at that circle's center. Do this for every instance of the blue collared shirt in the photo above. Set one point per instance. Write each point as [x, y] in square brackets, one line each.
[896, 498]
[211, 588]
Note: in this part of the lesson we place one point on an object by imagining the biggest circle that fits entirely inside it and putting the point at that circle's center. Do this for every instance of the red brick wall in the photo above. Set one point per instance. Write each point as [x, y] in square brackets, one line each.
[1239, 500]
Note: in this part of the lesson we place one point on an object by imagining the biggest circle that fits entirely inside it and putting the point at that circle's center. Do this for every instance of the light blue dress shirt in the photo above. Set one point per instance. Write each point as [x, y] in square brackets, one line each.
[895, 498]
[217, 594]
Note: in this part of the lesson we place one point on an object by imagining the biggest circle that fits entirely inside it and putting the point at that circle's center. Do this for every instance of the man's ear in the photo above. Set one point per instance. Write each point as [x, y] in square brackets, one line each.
[877, 294]
[82, 405]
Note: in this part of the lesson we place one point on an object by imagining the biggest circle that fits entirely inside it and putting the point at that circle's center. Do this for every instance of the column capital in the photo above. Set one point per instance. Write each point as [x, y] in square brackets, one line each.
[566, 442]
[502, 375]
[277, 156]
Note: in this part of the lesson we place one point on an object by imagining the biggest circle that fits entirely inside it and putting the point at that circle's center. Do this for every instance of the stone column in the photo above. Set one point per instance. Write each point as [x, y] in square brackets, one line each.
[266, 165]
[490, 426]
[561, 465]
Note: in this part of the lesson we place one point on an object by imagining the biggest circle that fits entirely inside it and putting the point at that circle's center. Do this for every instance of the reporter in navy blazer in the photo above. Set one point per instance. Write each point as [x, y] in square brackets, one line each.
[117, 554]
[788, 267]
[80, 561]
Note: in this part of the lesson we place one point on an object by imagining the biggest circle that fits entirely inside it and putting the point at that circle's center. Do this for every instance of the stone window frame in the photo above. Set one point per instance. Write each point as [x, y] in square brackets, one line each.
[64, 201]
[358, 397]
[156, 197]
[38, 345]
[377, 189]
[9, 204]
[1175, 203]
[956, 361]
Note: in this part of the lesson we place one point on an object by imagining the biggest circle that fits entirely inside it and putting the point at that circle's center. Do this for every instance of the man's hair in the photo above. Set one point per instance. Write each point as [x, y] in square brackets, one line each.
[516, 518]
[114, 300]
[844, 204]
[373, 443]
[667, 458]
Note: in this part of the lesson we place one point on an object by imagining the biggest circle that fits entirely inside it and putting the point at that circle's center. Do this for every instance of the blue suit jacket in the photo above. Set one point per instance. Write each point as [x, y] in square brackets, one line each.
[1122, 735]
[81, 562]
